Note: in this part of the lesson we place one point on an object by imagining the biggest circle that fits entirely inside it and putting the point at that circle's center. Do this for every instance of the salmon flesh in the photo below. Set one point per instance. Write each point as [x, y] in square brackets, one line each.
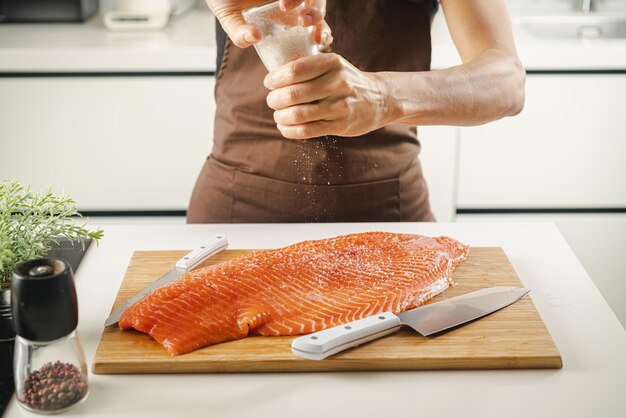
[302, 288]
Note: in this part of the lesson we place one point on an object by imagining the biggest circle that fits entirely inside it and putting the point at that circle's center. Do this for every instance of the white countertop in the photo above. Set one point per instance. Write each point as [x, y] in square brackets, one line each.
[590, 338]
[539, 54]
[188, 45]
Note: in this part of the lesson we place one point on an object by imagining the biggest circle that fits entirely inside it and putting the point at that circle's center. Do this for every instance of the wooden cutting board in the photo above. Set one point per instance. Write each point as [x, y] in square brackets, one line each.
[514, 337]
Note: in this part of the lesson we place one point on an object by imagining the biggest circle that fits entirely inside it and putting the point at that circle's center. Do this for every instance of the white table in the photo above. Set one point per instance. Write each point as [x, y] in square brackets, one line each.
[589, 336]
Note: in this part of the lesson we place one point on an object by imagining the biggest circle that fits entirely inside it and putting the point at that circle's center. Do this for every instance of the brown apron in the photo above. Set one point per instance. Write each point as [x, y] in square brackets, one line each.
[256, 175]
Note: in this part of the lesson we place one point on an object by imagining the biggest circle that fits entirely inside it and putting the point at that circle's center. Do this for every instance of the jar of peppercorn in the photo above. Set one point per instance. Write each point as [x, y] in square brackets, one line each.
[49, 363]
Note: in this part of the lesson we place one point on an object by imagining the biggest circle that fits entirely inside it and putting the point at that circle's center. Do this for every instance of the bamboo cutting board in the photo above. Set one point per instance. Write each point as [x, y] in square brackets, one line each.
[514, 337]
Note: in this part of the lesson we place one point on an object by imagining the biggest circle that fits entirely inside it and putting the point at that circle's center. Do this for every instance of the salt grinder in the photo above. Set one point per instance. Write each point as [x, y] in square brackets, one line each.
[283, 39]
[49, 366]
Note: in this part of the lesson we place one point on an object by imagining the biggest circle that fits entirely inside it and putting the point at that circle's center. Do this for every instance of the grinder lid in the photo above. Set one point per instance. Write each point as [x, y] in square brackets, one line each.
[43, 299]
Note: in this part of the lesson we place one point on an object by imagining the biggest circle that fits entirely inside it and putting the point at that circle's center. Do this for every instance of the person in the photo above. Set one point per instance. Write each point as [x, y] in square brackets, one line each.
[332, 137]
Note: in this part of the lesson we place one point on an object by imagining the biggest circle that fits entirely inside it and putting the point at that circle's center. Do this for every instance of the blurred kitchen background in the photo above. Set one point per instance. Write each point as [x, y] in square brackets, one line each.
[121, 116]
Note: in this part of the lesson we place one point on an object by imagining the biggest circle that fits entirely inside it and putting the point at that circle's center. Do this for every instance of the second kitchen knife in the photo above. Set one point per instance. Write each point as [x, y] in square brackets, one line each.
[185, 264]
[426, 320]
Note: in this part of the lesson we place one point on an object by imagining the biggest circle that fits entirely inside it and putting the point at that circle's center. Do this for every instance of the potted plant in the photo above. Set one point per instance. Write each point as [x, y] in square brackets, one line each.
[29, 223]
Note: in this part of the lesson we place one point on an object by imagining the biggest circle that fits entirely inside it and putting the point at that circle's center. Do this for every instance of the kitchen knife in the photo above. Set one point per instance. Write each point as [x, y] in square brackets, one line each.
[426, 320]
[185, 264]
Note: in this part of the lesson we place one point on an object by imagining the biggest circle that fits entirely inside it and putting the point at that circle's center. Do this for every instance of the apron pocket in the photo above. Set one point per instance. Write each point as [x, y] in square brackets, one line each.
[263, 199]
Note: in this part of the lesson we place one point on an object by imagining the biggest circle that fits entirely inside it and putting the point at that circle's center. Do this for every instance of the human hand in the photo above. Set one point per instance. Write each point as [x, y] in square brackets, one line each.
[228, 12]
[326, 95]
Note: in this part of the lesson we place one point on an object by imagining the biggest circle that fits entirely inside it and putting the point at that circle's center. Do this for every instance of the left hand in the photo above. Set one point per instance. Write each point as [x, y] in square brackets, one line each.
[326, 95]
[228, 12]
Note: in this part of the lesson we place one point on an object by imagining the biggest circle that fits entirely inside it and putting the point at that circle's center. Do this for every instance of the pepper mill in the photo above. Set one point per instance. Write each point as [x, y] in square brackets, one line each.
[50, 370]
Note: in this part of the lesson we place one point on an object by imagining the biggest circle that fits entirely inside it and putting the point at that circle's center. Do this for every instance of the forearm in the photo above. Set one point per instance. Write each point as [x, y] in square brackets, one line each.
[489, 87]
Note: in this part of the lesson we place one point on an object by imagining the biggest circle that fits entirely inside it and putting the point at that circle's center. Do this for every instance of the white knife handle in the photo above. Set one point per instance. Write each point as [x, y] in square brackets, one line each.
[197, 256]
[319, 345]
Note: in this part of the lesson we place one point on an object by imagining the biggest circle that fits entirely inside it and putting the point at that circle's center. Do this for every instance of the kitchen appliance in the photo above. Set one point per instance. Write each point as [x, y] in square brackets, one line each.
[138, 15]
[512, 338]
[426, 320]
[47, 10]
[187, 263]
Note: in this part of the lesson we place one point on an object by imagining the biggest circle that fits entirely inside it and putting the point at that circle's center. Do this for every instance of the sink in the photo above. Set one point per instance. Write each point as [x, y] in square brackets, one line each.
[578, 26]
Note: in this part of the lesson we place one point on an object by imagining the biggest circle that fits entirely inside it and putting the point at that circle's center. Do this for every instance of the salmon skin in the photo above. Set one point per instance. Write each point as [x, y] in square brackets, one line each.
[302, 288]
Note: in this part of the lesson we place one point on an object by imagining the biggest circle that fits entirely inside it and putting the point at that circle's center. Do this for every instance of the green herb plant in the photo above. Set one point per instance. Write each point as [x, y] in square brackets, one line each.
[31, 221]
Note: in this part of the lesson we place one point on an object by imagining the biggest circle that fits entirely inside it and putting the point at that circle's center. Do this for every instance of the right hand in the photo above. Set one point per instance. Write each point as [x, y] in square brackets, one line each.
[228, 12]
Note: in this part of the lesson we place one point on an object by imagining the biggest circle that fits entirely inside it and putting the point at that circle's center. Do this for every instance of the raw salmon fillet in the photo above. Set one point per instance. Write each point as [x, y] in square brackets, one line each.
[298, 289]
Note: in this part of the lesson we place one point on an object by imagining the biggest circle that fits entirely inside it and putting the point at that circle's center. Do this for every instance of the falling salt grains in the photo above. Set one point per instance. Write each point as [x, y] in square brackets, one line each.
[317, 166]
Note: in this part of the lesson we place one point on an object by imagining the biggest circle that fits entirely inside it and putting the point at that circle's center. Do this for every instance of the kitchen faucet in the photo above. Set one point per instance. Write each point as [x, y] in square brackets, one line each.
[586, 6]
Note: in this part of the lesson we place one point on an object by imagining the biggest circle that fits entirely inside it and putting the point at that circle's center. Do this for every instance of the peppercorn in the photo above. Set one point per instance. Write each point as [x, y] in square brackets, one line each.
[54, 386]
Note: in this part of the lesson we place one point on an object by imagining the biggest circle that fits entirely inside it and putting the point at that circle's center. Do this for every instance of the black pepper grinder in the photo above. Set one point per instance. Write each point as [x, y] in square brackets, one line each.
[50, 370]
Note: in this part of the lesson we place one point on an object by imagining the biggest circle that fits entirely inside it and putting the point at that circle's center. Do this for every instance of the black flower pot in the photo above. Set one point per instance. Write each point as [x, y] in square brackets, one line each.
[7, 340]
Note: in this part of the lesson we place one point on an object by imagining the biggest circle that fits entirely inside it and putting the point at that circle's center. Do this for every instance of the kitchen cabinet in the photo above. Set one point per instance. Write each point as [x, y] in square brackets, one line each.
[565, 150]
[111, 142]
[131, 113]
[438, 156]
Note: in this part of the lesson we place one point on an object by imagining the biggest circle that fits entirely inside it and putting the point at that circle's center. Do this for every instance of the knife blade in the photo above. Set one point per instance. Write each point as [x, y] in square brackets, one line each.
[426, 320]
[187, 263]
